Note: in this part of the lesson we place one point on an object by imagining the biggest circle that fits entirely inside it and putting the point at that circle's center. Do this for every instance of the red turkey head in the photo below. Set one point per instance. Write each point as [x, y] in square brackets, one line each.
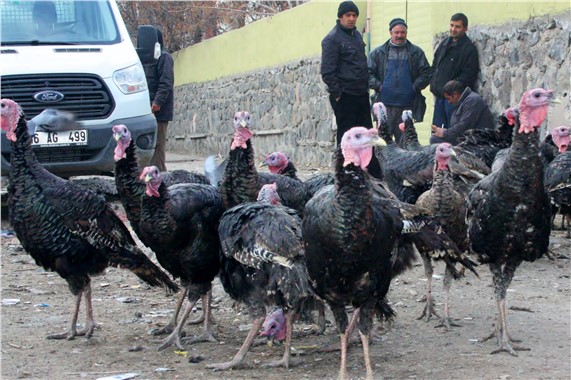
[533, 108]
[269, 194]
[10, 114]
[122, 136]
[561, 138]
[153, 178]
[274, 326]
[276, 161]
[357, 146]
[443, 154]
[242, 125]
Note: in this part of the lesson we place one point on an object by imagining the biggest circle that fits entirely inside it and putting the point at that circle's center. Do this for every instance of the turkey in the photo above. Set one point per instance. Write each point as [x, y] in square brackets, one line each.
[131, 189]
[180, 225]
[447, 206]
[407, 173]
[263, 264]
[66, 228]
[558, 176]
[464, 163]
[241, 181]
[279, 163]
[485, 143]
[508, 212]
[356, 241]
[127, 172]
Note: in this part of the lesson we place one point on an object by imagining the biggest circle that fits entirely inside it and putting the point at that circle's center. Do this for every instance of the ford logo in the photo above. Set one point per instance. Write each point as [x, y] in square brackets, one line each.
[49, 96]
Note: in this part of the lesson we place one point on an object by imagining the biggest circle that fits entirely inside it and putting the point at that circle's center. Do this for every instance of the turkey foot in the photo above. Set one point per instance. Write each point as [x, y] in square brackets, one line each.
[207, 336]
[510, 348]
[448, 323]
[163, 330]
[286, 363]
[174, 338]
[428, 310]
[337, 347]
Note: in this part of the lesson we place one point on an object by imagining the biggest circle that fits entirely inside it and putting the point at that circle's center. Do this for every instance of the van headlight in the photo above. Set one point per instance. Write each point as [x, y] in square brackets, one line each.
[131, 79]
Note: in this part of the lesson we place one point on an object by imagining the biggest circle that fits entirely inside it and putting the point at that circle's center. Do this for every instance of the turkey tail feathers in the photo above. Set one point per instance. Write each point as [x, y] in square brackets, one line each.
[133, 259]
[384, 311]
[432, 240]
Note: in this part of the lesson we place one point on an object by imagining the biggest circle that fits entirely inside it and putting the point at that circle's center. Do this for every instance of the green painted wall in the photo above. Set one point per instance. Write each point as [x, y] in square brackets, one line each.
[297, 33]
[287, 36]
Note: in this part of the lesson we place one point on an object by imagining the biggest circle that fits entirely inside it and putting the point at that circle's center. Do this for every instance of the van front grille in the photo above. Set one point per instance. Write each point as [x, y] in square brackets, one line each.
[85, 95]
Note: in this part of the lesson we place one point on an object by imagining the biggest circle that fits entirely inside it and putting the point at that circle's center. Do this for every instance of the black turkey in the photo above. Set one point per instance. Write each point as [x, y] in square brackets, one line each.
[131, 189]
[446, 205]
[127, 171]
[279, 163]
[241, 182]
[466, 167]
[356, 241]
[486, 143]
[558, 177]
[66, 228]
[263, 264]
[508, 212]
[180, 224]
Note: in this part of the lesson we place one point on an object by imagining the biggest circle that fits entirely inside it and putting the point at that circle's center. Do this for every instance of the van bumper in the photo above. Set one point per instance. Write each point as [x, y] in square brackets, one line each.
[96, 158]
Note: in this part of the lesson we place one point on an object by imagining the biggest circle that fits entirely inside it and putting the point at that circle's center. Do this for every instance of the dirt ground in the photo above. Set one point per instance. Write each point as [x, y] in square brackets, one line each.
[35, 303]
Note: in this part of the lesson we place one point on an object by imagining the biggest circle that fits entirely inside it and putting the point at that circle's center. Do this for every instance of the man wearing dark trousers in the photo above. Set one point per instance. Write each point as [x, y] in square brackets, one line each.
[344, 70]
[455, 58]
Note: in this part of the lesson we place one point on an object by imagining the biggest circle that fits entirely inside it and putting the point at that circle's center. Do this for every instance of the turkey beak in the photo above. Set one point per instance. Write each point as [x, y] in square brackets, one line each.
[377, 141]
[270, 342]
[262, 164]
[453, 153]
[146, 178]
[117, 136]
[243, 124]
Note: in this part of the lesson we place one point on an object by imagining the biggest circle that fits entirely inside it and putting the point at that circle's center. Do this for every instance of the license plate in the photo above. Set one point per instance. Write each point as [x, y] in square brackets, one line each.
[60, 138]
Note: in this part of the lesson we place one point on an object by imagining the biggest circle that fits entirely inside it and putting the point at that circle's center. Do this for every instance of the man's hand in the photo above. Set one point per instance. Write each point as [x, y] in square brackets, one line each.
[438, 132]
[155, 107]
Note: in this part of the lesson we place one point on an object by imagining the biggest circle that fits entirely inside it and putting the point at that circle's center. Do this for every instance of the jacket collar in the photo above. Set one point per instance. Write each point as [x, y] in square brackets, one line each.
[348, 31]
[467, 91]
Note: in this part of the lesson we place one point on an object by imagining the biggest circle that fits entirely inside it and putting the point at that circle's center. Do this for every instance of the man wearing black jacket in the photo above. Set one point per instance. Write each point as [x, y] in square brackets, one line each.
[344, 71]
[160, 79]
[456, 58]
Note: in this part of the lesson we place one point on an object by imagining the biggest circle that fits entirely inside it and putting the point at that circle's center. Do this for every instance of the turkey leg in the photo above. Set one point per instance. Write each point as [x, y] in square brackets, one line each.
[239, 358]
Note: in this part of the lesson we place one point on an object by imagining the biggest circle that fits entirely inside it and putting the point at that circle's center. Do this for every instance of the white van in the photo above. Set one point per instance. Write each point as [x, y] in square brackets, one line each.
[75, 56]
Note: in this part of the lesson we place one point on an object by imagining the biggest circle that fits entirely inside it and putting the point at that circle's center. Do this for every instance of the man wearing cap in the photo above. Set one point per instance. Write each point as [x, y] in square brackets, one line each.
[344, 71]
[455, 58]
[398, 72]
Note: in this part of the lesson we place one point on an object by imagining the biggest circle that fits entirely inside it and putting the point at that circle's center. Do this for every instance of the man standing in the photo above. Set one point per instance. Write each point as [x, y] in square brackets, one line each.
[470, 112]
[456, 58]
[344, 71]
[160, 79]
[398, 71]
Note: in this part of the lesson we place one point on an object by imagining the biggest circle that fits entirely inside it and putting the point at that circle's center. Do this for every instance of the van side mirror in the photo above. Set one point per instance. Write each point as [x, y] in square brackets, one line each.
[146, 41]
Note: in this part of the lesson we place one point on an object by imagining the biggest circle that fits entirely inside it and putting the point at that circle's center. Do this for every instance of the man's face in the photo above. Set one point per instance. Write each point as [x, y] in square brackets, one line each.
[457, 29]
[452, 98]
[349, 20]
[398, 34]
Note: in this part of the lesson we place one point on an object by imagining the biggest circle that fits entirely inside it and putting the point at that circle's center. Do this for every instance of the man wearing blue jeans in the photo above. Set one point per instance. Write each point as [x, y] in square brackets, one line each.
[456, 58]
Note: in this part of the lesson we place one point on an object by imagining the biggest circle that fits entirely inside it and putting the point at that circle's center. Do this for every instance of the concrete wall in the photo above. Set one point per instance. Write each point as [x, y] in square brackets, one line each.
[271, 68]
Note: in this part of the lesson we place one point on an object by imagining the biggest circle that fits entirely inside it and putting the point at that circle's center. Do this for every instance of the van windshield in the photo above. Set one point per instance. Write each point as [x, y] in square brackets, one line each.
[58, 22]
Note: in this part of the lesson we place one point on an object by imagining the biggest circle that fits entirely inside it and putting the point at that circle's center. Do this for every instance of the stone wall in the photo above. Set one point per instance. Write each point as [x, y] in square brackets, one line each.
[291, 109]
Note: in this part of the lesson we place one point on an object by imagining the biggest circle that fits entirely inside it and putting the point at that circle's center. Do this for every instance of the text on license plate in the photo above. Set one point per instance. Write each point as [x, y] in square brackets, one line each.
[60, 138]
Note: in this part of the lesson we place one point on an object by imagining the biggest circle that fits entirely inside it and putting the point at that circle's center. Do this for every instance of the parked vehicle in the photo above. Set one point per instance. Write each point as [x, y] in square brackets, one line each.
[75, 56]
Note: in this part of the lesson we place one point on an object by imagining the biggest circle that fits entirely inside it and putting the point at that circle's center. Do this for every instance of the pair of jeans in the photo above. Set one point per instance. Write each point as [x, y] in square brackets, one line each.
[442, 113]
